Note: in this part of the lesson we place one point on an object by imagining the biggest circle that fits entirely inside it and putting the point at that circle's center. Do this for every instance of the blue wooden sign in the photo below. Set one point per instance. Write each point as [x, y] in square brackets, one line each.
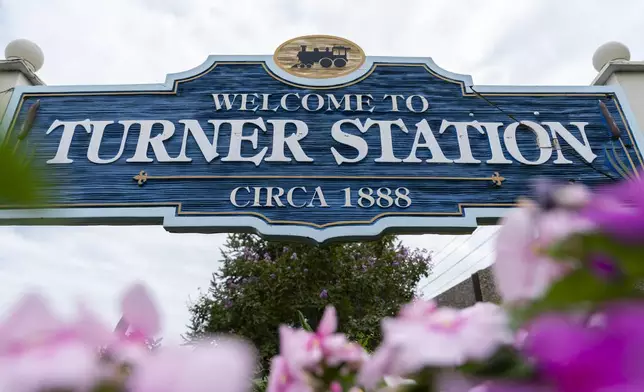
[317, 142]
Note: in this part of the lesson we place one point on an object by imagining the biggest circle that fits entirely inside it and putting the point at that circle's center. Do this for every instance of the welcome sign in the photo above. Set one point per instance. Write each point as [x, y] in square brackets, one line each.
[317, 142]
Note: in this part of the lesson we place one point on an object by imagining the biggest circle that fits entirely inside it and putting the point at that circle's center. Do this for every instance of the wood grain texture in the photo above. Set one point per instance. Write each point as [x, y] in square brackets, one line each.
[85, 183]
[286, 56]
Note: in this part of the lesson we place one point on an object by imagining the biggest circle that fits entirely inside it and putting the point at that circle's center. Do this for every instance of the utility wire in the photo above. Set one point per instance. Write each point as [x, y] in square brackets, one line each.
[446, 245]
[461, 260]
[494, 105]
[449, 285]
[453, 250]
[590, 165]
[435, 258]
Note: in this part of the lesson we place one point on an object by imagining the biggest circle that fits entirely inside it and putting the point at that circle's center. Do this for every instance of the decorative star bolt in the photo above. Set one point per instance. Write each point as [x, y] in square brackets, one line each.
[141, 178]
[497, 179]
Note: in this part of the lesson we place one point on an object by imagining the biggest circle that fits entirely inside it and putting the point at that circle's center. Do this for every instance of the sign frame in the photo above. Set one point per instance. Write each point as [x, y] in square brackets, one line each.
[472, 215]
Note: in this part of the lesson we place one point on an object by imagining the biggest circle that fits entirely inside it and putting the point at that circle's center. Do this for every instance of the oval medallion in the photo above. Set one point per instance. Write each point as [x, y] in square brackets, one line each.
[319, 56]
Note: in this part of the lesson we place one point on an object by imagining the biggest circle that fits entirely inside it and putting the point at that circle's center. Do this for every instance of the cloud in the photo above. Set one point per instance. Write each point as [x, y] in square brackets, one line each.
[95, 265]
[141, 41]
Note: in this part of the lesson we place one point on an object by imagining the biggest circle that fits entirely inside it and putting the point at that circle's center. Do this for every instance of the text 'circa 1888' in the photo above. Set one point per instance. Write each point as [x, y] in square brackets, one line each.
[297, 145]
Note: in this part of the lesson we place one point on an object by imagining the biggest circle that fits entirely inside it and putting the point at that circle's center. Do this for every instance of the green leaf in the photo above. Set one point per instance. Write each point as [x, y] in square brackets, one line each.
[20, 183]
[305, 325]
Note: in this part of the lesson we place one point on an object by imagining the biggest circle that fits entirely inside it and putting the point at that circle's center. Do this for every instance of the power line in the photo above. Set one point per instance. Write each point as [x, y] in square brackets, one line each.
[453, 250]
[461, 260]
[445, 247]
[449, 285]
[513, 118]
[494, 105]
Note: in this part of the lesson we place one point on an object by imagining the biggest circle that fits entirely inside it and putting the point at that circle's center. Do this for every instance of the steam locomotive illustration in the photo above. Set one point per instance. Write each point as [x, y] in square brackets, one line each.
[336, 56]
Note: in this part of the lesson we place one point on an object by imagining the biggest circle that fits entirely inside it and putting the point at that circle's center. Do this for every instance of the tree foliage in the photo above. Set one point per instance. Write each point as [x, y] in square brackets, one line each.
[264, 284]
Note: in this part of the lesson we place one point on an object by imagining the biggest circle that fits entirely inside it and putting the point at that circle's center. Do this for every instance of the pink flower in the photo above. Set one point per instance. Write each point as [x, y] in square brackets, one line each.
[38, 350]
[282, 380]
[618, 210]
[299, 348]
[140, 313]
[445, 337]
[226, 365]
[417, 309]
[600, 354]
[70, 366]
[305, 352]
[522, 272]
[140, 323]
[509, 386]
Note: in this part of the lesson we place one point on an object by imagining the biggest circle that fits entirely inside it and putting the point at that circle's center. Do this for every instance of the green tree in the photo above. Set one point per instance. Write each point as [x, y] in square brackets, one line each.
[263, 284]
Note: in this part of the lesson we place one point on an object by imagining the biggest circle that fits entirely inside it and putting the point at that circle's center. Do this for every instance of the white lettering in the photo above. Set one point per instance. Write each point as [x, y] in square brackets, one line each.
[305, 102]
[208, 149]
[319, 195]
[246, 100]
[543, 142]
[394, 101]
[270, 197]
[366, 101]
[289, 197]
[424, 130]
[292, 141]
[386, 143]
[146, 140]
[410, 103]
[227, 103]
[492, 130]
[98, 129]
[285, 98]
[349, 140]
[462, 138]
[233, 197]
[336, 105]
[265, 98]
[582, 149]
[237, 137]
[66, 139]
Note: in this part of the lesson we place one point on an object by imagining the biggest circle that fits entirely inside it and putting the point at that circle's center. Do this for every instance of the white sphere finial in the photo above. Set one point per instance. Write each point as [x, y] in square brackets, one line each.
[25, 50]
[608, 52]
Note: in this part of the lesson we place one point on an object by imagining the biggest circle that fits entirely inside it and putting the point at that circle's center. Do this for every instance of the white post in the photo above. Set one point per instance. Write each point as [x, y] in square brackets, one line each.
[23, 60]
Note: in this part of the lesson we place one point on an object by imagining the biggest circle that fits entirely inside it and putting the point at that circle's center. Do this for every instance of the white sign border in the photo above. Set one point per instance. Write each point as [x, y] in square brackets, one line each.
[472, 216]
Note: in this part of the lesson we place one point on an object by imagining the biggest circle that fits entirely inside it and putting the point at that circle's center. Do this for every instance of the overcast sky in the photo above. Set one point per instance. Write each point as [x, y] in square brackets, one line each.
[527, 42]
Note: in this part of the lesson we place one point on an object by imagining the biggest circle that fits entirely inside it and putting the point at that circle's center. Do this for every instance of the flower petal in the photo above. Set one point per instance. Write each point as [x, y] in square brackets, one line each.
[329, 322]
[140, 311]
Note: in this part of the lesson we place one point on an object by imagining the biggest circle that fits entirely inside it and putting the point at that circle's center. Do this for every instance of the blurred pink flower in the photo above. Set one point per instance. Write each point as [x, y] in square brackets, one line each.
[445, 337]
[67, 366]
[509, 386]
[38, 349]
[521, 270]
[282, 380]
[603, 355]
[417, 309]
[139, 324]
[299, 348]
[618, 209]
[227, 365]
[305, 352]
[140, 312]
